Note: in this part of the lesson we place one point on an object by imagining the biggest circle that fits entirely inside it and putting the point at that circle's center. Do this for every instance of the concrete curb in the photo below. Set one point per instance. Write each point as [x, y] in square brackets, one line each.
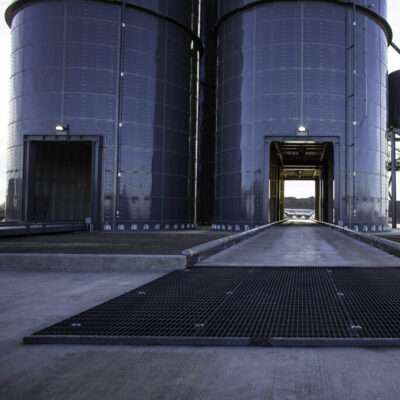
[90, 262]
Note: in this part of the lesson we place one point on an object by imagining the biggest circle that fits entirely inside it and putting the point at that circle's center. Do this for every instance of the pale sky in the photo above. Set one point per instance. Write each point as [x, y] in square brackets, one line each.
[292, 189]
[394, 64]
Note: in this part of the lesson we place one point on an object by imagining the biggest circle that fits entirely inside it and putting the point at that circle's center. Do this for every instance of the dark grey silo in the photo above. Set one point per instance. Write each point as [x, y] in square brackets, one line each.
[121, 77]
[317, 64]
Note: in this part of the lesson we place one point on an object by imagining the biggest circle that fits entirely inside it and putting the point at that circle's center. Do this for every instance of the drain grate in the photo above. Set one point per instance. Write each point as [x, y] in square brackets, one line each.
[307, 306]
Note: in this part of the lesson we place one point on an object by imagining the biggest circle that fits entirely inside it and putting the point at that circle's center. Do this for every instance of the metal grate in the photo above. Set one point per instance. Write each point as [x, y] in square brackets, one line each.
[246, 306]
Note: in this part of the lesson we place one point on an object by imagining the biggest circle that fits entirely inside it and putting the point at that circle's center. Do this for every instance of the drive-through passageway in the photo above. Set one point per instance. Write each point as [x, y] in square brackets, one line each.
[302, 243]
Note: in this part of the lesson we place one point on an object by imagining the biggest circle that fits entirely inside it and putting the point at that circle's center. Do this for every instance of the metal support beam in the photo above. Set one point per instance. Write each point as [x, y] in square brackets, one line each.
[394, 216]
[395, 47]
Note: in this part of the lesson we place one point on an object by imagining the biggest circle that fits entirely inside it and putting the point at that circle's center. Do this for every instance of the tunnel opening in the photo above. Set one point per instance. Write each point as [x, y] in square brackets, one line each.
[301, 162]
[59, 181]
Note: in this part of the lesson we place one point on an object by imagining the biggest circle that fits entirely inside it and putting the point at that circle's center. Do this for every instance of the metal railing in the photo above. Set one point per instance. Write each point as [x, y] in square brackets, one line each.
[198, 253]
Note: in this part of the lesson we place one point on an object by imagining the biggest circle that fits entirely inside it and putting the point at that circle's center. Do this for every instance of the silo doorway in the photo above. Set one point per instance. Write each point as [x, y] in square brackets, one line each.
[61, 180]
[302, 161]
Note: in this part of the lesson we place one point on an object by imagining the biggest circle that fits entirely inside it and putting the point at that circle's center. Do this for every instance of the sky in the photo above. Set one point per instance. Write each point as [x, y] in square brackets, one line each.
[307, 189]
[298, 190]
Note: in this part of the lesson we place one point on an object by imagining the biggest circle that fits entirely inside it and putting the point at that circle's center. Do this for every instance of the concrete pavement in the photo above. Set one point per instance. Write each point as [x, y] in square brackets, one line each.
[302, 244]
[102, 251]
[31, 301]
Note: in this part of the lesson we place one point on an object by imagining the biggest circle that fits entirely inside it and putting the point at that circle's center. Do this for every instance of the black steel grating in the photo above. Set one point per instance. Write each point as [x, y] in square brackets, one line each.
[265, 306]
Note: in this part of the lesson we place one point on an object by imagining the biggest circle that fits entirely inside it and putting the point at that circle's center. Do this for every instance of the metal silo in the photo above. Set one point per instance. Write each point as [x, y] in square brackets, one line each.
[302, 93]
[119, 80]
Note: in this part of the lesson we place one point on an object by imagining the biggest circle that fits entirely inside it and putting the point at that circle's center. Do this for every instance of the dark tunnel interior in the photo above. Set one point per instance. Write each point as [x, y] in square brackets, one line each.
[61, 181]
[302, 161]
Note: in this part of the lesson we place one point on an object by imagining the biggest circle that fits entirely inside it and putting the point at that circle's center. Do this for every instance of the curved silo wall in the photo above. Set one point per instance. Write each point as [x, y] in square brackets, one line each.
[123, 72]
[282, 64]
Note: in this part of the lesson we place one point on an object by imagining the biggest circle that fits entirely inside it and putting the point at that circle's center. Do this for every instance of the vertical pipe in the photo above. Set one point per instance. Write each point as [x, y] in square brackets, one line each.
[354, 211]
[197, 118]
[253, 106]
[302, 66]
[192, 183]
[394, 216]
[118, 116]
[164, 123]
[365, 72]
[64, 63]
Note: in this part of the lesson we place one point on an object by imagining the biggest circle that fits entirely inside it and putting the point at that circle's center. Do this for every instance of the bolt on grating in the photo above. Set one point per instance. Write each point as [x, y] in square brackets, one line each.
[265, 306]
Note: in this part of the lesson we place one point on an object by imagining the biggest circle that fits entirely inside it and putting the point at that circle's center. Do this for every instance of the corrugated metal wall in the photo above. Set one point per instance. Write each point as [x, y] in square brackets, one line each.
[120, 72]
[127, 73]
[283, 64]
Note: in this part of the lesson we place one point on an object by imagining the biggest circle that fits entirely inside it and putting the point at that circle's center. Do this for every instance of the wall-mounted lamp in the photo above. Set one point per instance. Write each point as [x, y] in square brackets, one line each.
[62, 128]
[302, 130]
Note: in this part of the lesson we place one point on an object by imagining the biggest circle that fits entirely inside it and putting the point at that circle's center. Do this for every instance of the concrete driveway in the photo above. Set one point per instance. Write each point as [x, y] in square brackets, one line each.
[30, 301]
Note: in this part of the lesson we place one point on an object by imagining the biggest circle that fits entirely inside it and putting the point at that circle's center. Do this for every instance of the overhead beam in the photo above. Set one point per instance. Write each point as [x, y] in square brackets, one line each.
[395, 47]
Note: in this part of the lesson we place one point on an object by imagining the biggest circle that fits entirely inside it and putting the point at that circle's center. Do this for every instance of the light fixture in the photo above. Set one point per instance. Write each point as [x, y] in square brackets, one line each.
[301, 128]
[61, 128]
